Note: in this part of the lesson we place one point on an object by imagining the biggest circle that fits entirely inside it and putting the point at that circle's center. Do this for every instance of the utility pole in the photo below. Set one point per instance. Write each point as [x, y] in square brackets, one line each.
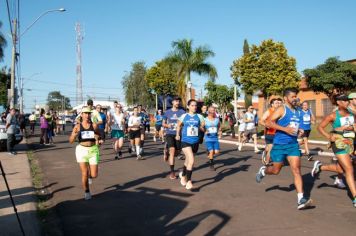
[13, 62]
[80, 37]
[235, 100]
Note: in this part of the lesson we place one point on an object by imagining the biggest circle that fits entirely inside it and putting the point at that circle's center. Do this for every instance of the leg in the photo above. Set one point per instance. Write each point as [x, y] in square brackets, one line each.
[93, 171]
[254, 136]
[232, 128]
[294, 162]
[346, 164]
[84, 167]
[188, 164]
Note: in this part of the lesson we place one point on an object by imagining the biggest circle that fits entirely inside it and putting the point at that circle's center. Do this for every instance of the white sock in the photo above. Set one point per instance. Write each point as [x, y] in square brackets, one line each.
[300, 196]
[137, 149]
[263, 172]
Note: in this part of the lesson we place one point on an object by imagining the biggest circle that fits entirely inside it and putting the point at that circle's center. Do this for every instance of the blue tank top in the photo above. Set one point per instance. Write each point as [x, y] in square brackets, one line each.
[159, 119]
[171, 118]
[291, 118]
[191, 124]
[211, 127]
[305, 119]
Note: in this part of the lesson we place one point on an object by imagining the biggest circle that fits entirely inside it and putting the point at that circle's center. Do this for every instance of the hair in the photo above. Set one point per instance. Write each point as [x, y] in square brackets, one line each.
[135, 108]
[272, 101]
[287, 91]
[305, 102]
[90, 102]
[190, 101]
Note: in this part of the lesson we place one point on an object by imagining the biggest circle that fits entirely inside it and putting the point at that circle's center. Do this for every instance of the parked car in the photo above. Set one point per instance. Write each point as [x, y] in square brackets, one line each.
[3, 136]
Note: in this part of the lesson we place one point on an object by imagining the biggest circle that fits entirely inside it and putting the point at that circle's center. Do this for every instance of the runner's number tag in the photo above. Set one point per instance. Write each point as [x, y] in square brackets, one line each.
[294, 125]
[87, 134]
[306, 118]
[192, 131]
[212, 130]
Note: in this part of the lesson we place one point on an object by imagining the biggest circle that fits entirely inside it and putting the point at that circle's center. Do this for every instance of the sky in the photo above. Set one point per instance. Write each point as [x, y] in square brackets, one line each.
[118, 33]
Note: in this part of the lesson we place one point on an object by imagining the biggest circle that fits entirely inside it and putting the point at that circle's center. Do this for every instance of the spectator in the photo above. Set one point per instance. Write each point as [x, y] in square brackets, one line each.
[232, 121]
[32, 119]
[10, 131]
[44, 127]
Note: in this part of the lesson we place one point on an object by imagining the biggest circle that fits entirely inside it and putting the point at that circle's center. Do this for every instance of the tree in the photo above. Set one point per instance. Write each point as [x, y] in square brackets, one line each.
[267, 68]
[332, 77]
[248, 96]
[57, 101]
[136, 88]
[162, 79]
[188, 60]
[219, 94]
[4, 85]
[2, 44]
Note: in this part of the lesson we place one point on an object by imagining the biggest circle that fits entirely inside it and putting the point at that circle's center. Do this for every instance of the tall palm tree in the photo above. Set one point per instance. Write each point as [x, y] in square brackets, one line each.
[2, 44]
[188, 60]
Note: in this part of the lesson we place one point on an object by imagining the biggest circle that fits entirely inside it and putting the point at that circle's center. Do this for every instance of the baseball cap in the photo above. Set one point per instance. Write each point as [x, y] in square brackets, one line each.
[86, 110]
[352, 95]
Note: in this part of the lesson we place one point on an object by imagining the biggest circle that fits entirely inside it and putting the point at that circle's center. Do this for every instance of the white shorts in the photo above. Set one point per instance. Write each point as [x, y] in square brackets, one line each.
[87, 154]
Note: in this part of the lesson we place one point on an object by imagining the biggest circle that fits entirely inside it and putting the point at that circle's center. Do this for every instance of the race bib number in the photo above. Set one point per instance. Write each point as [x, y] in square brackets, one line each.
[212, 130]
[294, 125]
[347, 121]
[87, 134]
[173, 126]
[192, 131]
[306, 118]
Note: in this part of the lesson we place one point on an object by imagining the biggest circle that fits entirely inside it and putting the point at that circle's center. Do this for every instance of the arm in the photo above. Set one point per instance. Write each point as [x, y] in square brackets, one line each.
[74, 134]
[321, 127]
[264, 118]
[179, 125]
[271, 122]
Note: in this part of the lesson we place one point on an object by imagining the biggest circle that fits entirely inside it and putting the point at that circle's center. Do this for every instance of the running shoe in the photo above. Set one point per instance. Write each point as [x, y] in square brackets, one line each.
[309, 157]
[257, 150]
[304, 203]
[90, 180]
[239, 147]
[316, 168]
[120, 154]
[130, 150]
[260, 175]
[181, 157]
[87, 196]
[116, 157]
[172, 175]
[154, 139]
[354, 202]
[339, 183]
[139, 157]
[189, 185]
[183, 179]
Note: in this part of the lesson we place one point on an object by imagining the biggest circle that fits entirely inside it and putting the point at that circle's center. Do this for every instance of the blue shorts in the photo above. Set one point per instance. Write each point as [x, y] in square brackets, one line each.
[280, 152]
[212, 145]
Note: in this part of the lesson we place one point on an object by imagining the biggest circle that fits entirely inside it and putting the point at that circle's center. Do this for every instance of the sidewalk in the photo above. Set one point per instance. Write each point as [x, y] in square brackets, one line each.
[19, 178]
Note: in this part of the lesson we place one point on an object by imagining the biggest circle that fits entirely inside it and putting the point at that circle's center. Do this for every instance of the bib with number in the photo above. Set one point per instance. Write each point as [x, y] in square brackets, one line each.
[347, 121]
[306, 118]
[192, 131]
[87, 134]
[212, 130]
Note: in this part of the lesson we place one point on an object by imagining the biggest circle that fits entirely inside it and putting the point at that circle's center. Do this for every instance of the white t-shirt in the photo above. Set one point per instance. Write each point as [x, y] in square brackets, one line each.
[118, 121]
[134, 121]
[251, 124]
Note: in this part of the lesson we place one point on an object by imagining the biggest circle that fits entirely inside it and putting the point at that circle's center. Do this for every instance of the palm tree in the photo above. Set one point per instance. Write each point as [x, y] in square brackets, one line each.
[189, 59]
[2, 44]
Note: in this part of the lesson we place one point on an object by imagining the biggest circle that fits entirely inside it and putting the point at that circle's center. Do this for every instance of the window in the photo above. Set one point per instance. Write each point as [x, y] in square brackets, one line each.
[327, 106]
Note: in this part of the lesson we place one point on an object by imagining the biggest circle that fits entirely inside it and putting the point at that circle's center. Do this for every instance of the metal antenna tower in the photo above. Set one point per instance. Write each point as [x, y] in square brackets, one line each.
[80, 37]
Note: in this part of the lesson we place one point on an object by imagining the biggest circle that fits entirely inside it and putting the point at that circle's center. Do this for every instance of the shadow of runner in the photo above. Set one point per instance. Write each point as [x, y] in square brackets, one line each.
[145, 212]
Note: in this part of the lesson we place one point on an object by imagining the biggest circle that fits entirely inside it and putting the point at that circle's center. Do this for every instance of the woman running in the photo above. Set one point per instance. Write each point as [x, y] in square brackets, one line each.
[191, 123]
[134, 129]
[117, 130]
[158, 125]
[341, 138]
[87, 151]
[212, 135]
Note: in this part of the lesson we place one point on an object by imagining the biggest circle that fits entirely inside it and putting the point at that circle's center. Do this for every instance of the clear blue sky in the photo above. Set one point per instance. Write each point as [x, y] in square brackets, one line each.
[118, 33]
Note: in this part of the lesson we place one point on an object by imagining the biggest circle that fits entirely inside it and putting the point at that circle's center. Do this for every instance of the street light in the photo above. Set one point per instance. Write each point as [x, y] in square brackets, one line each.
[15, 38]
[189, 86]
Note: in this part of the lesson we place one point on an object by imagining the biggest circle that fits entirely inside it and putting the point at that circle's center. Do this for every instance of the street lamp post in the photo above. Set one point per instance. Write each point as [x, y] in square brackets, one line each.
[189, 85]
[15, 38]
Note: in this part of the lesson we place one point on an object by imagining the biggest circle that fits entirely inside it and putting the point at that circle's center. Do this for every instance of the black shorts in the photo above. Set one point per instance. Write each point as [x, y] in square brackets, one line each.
[306, 134]
[135, 134]
[194, 146]
[158, 127]
[102, 134]
[172, 142]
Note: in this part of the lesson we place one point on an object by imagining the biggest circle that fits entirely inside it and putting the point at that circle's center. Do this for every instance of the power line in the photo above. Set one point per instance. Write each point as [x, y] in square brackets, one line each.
[72, 85]
[9, 15]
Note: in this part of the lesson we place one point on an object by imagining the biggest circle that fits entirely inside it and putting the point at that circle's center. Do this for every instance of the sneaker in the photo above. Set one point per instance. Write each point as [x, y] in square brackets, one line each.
[189, 185]
[116, 157]
[154, 139]
[181, 157]
[139, 157]
[309, 157]
[304, 203]
[90, 181]
[239, 147]
[354, 202]
[339, 183]
[120, 154]
[130, 150]
[87, 196]
[257, 150]
[172, 175]
[183, 179]
[259, 175]
[316, 168]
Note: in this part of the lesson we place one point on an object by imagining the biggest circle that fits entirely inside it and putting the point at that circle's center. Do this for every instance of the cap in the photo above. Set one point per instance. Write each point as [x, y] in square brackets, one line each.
[352, 95]
[86, 110]
[342, 97]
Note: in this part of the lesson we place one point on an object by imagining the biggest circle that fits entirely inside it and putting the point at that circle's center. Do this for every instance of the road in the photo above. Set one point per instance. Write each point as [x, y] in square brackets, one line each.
[133, 197]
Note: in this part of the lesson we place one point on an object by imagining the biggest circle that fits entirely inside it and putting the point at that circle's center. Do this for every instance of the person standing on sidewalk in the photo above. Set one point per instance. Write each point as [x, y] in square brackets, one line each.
[230, 117]
[10, 131]
[44, 127]
[286, 120]
[342, 138]
[32, 119]
[250, 129]
[87, 151]
[307, 118]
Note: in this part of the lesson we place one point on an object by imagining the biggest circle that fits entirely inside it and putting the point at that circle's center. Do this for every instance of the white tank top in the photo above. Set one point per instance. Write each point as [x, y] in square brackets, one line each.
[118, 122]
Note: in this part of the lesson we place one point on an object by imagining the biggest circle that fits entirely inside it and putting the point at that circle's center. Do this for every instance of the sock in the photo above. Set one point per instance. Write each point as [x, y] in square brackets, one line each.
[263, 172]
[137, 150]
[184, 172]
[87, 191]
[172, 168]
[189, 175]
[300, 196]
[211, 161]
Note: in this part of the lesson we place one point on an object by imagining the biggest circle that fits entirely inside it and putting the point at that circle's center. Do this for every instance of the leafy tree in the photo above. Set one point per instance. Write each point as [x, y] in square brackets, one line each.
[136, 88]
[248, 96]
[219, 94]
[267, 68]
[2, 44]
[55, 101]
[188, 60]
[4, 85]
[162, 79]
[332, 77]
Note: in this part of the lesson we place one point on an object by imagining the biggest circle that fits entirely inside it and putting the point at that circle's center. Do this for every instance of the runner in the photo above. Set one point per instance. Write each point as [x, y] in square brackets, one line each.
[307, 118]
[102, 125]
[87, 151]
[286, 121]
[191, 123]
[95, 116]
[204, 111]
[170, 124]
[230, 117]
[142, 114]
[117, 130]
[341, 138]
[212, 135]
[269, 133]
[242, 125]
[158, 126]
[109, 115]
[250, 129]
[32, 119]
[134, 129]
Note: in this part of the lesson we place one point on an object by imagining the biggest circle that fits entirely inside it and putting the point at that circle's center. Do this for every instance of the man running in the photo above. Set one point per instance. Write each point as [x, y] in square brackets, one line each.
[134, 129]
[192, 123]
[212, 135]
[250, 129]
[101, 126]
[87, 151]
[117, 123]
[170, 124]
[286, 121]
[307, 118]
[269, 133]
[158, 119]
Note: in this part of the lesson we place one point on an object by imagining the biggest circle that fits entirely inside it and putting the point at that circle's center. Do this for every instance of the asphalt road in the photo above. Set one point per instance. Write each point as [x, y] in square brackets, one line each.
[133, 197]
